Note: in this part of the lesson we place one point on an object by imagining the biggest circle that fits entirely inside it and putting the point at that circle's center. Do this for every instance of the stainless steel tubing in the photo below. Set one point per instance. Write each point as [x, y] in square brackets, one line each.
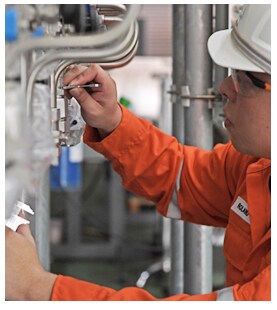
[106, 65]
[199, 132]
[98, 56]
[111, 8]
[112, 19]
[89, 41]
[176, 277]
[117, 64]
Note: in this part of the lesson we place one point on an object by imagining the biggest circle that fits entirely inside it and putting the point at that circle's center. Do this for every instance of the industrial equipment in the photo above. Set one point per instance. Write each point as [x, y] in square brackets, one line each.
[42, 40]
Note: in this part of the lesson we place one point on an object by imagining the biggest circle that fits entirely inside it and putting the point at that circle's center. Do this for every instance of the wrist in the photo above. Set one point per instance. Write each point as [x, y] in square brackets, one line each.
[104, 132]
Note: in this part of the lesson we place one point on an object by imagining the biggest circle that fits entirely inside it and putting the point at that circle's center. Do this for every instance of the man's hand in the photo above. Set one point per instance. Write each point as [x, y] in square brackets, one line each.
[25, 279]
[99, 108]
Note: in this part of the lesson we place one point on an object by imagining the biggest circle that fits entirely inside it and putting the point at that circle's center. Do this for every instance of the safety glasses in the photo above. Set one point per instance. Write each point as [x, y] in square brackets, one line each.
[245, 81]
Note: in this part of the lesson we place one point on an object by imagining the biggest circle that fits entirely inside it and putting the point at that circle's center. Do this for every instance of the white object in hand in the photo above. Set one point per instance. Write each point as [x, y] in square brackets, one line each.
[14, 220]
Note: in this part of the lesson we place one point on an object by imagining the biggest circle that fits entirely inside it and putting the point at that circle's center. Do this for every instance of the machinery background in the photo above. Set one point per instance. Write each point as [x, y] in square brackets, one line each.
[84, 219]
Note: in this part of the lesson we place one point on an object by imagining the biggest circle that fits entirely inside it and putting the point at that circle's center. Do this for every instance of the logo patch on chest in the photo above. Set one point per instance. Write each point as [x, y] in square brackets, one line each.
[240, 207]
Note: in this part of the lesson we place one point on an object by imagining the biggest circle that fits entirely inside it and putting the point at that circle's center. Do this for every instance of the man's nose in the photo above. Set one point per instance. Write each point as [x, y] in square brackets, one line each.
[227, 89]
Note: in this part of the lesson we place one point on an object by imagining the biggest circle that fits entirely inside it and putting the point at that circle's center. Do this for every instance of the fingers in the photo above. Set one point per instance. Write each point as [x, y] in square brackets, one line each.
[79, 76]
[85, 99]
[99, 105]
[70, 73]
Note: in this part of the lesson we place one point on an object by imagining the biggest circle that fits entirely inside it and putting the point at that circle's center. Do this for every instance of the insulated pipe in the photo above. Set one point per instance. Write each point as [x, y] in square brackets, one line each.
[198, 132]
[40, 199]
[176, 278]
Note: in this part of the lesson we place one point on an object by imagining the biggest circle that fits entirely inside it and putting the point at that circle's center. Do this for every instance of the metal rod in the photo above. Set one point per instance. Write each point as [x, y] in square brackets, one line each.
[199, 132]
[97, 85]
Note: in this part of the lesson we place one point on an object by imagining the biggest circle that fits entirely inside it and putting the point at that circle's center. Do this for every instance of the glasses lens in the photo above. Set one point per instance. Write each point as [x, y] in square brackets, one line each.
[242, 83]
[234, 74]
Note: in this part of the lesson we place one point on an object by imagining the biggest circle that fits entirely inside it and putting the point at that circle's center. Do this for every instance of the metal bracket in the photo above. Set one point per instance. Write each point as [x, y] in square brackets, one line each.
[186, 96]
[173, 93]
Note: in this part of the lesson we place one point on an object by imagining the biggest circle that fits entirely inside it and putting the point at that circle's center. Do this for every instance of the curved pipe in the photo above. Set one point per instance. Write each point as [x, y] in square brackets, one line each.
[89, 41]
[98, 56]
[109, 8]
[106, 65]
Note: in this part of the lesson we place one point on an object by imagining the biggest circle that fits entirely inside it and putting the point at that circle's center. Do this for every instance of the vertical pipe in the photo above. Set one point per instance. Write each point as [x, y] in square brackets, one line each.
[220, 73]
[176, 279]
[73, 207]
[199, 132]
[42, 219]
[24, 65]
[221, 22]
[116, 209]
[40, 199]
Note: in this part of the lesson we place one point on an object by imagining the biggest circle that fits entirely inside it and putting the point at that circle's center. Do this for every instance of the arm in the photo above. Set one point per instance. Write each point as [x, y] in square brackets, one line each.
[67, 288]
[153, 164]
[26, 280]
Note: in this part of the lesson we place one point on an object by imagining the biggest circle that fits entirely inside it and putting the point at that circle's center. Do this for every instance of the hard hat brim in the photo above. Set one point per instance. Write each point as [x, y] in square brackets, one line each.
[225, 53]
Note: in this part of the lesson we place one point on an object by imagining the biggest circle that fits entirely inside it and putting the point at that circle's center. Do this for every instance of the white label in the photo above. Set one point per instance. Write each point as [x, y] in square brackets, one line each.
[240, 207]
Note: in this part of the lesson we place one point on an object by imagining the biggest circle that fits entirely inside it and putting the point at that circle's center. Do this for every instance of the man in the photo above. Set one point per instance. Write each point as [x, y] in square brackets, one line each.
[227, 187]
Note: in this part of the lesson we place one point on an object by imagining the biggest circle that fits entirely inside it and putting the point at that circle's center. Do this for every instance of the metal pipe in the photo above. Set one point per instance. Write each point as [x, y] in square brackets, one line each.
[107, 55]
[105, 65]
[199, 132]
[80, 41]
[176, 278]
[221, 22]
[42, 220]
[220, 73]
[112, 7]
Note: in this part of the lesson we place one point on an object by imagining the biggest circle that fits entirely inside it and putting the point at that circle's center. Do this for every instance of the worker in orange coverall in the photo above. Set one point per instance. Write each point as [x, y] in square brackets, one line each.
[226, 187]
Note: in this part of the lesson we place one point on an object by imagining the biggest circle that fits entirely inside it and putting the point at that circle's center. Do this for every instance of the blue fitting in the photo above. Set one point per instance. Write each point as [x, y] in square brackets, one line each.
[38, 32]
[11, 27]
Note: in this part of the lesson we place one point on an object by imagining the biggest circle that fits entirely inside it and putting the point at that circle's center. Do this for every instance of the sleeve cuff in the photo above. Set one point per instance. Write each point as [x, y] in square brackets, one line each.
[130, 131]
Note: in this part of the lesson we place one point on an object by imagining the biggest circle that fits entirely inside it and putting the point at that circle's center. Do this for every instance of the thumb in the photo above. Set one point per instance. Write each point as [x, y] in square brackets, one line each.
[24, 230]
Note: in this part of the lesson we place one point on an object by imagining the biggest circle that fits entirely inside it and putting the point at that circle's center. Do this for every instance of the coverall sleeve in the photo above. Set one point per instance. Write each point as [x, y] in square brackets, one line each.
[67, 288]
[150, 163]
[257, 289]
[70, 289]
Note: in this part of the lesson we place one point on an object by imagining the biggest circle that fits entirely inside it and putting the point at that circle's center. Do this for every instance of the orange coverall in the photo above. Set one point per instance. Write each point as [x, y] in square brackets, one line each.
[220, 188]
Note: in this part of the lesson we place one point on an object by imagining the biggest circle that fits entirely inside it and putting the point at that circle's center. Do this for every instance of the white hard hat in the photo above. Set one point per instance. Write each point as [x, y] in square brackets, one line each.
[247, 46]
